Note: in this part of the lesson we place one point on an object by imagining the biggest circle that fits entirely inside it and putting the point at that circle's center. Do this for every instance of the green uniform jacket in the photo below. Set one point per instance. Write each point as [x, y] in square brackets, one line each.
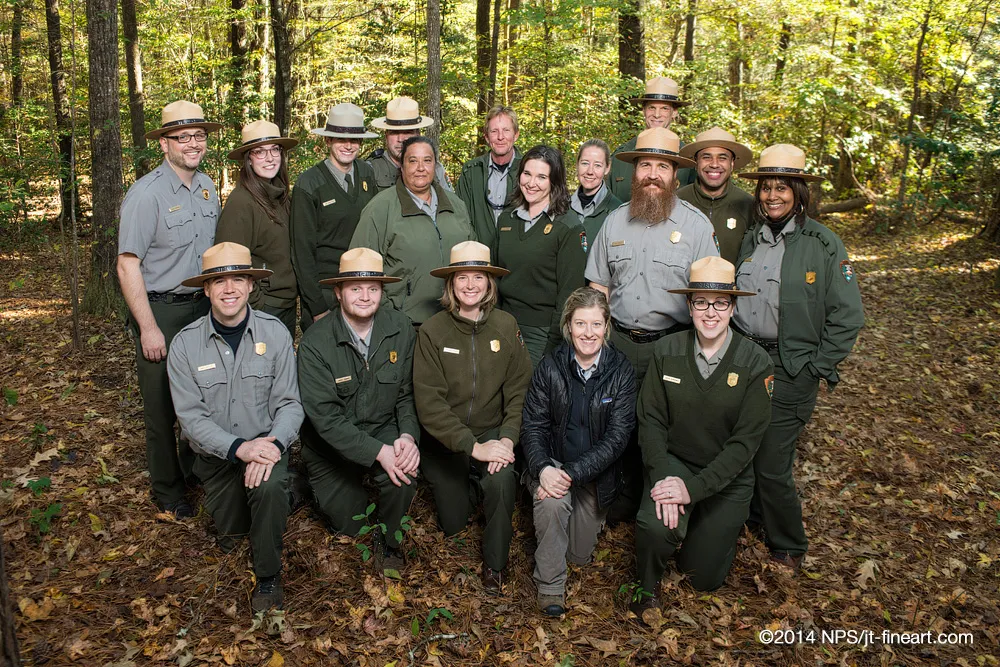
[243, 221]
[820, 313]
[546, 264]
[412, 244]
[620, 178]
[322, 222]
[592, 223]
[387, 173]
[731, 215]
[472, 190]
[470, 378]
[354, 406]
[714, 426]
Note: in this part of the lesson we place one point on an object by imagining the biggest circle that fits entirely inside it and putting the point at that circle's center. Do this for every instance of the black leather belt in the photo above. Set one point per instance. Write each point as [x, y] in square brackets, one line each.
[643, 336]
[170, 297]
[769, 345]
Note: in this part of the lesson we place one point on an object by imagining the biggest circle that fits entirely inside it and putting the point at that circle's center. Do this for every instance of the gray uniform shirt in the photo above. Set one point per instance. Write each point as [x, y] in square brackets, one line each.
[340, 176]
[586, 212]
[639, 262]
[760, 273]
[168, 226]
[496, 186]
[585, 373]
[220, 399]
[529, 222]
[430, 208]
[705, 365]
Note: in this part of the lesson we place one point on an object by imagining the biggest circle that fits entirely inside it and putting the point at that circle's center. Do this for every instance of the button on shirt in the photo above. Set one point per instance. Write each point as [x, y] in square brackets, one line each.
[430, 208]
[221, 398]
[168, 226]
[639, 262]
[761, 274]
[705, 365]
[496, 186]
[340, 176]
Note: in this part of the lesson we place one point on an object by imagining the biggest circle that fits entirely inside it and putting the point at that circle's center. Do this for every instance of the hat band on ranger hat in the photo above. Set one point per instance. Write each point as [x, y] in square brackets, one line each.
[781, 170]
[657, 151]
[471, 262]
[405, 121]
[361, 274]
[711, 287]
[225, 269]
[661, 96]
[184, 121]
[259, 140]
[345, 129]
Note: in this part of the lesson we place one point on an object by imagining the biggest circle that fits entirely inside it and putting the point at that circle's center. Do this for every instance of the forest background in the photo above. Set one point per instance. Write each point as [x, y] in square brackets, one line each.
[897, 103]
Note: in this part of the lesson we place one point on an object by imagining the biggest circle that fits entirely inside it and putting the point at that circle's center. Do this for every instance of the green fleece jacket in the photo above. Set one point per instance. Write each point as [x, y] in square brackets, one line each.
[472, 190]
[714, 426]
[353, 405]
[820, 312]
[730, 214]
[470, 378]
[412, 244]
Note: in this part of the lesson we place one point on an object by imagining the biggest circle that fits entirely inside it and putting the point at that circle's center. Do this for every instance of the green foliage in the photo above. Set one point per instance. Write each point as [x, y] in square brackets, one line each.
[633, 592]
[39, 486]
[42, 519]
[10, 396]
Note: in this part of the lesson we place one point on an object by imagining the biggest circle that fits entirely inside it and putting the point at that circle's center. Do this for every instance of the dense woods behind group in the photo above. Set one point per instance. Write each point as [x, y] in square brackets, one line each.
[896, 103]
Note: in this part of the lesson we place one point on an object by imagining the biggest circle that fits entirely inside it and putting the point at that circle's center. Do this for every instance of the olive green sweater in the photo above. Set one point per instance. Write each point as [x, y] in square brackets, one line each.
[731, 214]
[714, 425]
[546, 264]
[469, 378]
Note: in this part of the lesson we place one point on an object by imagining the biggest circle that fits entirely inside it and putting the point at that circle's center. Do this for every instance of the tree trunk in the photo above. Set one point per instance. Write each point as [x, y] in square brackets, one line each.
[482, 54]
[736, 68]
[690, 20]
[512, 67]
[917, 71]
[136, 105]
[784, 40]
[283, 85]
[991, 228]
[239, 65]
[434, 66]
[631, 47]
[843, 206]
[10, 653]
[491, 98]
[16, 67]
[102, 296]
[60, 104]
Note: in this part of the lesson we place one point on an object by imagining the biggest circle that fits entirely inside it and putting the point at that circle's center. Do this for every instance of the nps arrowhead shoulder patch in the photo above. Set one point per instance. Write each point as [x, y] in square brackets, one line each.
[847, 270]
[769, 385]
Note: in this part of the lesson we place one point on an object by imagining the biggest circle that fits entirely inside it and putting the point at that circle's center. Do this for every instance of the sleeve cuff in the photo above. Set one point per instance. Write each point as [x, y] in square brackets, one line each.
[231, 456]
[280, 445]
[696, 490]
[507, 432]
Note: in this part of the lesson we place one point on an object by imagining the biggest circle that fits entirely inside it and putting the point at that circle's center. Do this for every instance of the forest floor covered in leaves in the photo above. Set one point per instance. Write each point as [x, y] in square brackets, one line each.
[898, 469]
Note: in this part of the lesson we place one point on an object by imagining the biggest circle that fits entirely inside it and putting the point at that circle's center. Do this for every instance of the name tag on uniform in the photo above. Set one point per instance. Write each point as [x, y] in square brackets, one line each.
[329, 201]
[671, 378]
[607, 400]
[174, 208]
[451, 350]
[615, 244]
[505, 229]
[206, 367]
[341, 380]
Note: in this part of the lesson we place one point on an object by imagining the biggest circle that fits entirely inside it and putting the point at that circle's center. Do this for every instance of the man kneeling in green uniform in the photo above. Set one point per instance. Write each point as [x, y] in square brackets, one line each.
[356, 378]
[232, 380]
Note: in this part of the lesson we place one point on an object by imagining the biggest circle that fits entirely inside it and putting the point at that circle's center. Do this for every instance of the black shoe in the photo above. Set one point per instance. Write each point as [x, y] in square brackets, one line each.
[268, 593]
[788, 560]
[637, 607]
[493, 580]
[181, 509]
[551, 605]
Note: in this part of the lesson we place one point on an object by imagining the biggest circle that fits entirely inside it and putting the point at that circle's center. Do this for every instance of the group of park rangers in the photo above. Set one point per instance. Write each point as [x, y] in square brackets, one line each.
[647, 347]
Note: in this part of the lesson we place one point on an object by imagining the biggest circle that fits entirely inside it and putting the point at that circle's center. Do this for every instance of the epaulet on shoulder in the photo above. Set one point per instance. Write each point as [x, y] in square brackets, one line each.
[192, 325]
[376, 154]
[821, 232]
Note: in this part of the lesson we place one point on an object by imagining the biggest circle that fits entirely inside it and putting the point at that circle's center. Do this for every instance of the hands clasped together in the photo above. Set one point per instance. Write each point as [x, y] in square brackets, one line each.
[498, 454]
[553, 482]
[400, 459]
[670, 495]
[260, 455]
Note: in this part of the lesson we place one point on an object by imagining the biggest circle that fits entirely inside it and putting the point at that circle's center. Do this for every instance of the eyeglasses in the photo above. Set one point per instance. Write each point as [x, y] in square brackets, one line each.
[720, 306]
[261, 153]
[185, 138]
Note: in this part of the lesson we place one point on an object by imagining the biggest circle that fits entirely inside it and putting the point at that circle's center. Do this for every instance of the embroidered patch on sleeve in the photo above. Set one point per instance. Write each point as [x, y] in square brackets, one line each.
[520, 338]
[583, 241]
[769, 385]
[715, 240]
[847, 270]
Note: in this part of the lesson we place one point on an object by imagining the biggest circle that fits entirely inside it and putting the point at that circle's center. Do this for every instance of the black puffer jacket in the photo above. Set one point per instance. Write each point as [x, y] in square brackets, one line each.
[612, 419]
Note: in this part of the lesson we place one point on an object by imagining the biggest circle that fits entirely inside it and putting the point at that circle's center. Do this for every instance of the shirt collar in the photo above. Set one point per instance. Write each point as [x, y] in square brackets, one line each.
[768, 236]
[501, 168]
[593, 367]
[211, 333]
[718, 355]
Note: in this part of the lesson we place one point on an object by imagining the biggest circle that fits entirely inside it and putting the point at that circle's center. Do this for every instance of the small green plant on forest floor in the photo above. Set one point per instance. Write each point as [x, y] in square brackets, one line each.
[366, 552]
[433, 615]
[42, 519]
[39, 486]
[633, 592]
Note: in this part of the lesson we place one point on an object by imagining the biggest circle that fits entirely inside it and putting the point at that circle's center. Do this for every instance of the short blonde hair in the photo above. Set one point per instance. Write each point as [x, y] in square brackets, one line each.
[487, 303]
[584, 297]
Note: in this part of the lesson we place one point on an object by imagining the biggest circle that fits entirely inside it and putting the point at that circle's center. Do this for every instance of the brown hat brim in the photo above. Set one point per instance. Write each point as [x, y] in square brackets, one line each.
[754, 175]
[692, 290]
[160, 131]
[632, 156]
[419, 124]
[445, 271]
[199, 280]
[360, 276]
[284, 142]
[742, 154]
[643, 99]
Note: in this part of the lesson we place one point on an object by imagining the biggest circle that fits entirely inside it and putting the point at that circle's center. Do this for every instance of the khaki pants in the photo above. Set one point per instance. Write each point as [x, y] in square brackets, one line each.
[565, 529]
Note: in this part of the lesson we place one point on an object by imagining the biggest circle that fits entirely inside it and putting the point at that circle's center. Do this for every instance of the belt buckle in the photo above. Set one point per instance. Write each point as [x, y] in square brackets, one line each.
[168, 298]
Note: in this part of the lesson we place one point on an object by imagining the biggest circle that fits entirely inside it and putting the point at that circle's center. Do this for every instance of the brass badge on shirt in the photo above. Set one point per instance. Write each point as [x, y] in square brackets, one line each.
[731, 223]
[810, 277]
[364, 185]
[393, 356]
[204, 193]
[732, 379]
[675, 236]
[495, 345]
[260, 348]
[548, 228]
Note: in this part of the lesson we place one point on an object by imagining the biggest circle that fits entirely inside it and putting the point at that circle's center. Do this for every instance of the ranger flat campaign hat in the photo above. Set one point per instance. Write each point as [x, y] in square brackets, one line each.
[782, 160]
[360, 264]
[657, 142]
[345, 121]
[226, 259]
[712, 274]
[716, 137]
[661, 89]
[260, 133]
[402, 113]
[182, 115]
[469, 256]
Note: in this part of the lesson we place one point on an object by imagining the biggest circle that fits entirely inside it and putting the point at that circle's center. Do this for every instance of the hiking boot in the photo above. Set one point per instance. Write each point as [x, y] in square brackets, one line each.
[639, 606]
[788, 560]
[181, 509]
[551, 605]
[268, 593]
[493, 580]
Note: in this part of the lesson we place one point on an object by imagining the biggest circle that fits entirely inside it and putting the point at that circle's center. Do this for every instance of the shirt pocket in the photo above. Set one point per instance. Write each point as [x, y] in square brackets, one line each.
[210, 213]
[180, 228]
[258, 378]
[670, 268]
[212, 385]
[347, 387]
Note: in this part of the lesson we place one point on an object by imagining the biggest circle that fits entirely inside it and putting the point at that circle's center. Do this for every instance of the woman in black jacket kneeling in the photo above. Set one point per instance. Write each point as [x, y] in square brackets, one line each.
[578, 414]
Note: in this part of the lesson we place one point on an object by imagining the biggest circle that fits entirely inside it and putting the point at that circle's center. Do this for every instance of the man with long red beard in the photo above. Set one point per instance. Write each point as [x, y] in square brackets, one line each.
[645, 248]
